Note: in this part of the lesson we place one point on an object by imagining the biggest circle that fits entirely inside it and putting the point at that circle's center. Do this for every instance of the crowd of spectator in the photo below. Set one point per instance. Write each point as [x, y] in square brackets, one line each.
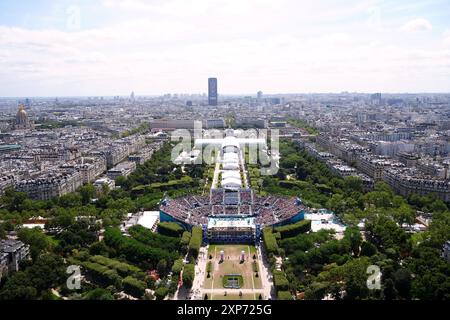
[268, 210]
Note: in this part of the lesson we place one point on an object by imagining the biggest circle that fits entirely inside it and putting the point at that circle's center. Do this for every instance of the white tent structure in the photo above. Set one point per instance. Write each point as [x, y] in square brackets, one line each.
[231, 174]
[231, 183]
[230, 148]
[230, 161]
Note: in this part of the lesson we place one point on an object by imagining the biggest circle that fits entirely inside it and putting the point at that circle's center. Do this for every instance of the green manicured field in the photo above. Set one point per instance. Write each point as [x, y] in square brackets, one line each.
[231, 281]
[232, 266]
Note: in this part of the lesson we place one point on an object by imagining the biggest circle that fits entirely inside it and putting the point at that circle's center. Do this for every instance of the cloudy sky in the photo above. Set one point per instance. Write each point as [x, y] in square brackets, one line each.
[111, 47]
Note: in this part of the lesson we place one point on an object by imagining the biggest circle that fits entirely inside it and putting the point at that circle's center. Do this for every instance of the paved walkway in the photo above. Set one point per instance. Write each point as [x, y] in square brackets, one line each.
[234, 292]
[266, 276]
[200, 269]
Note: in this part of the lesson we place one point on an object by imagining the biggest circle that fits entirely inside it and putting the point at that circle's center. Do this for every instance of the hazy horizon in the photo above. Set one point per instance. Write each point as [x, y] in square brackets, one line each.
[137, 95]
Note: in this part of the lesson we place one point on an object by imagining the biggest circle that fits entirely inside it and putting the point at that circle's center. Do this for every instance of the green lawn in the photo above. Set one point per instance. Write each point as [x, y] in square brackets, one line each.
[232, 265]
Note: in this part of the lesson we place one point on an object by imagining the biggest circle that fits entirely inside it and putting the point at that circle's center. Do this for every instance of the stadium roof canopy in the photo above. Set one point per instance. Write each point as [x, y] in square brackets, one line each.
[231, 174]
[231, 183]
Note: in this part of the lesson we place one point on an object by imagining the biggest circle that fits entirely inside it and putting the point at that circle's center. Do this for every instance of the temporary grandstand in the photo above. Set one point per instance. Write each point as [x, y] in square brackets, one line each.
[231, 213]
[223, 206]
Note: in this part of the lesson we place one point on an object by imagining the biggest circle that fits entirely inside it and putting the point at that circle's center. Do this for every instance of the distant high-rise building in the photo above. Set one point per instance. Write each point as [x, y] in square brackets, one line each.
[259, 95]
[275, 101]
[212, 92]
[376, 98]
[132, 98]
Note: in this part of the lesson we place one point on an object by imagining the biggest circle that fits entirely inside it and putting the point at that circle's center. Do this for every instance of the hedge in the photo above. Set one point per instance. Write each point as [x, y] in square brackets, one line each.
[227, 277]
[146, 236]
[171, 229]
[279, 281]
[136, 251]
[185, 238]
[123, 269]
[196, 241]
[188, 275]
[177, 266]
[284, 295]
[184, 182]
[293, 184]
[101, 274]
[161, 293]
[134, 287]
[292, 230]
[270, 242]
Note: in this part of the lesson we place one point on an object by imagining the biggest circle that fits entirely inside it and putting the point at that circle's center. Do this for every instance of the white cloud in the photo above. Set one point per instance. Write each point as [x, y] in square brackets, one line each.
[417, 25]
[447, 37]
[157, 47]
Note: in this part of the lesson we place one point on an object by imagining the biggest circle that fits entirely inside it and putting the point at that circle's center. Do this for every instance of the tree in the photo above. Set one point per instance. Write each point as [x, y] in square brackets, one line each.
[18, 287]
[36, 239]
[134, 287]
[162, 266]
[161, 293]
[78, 235]
[121, 181]
[185, 238]
[177, 266]
[98, 248]
[301, 171]
[405, 214]
[188, 275]
[70, 200]
[195, 171]
[2, 232]
[284, 295]
[438, 206]
[368, 249]
[48, 272]
[350, 278]
[13, 200]
[402, 280]
[388, 236]
[337, 203]
[105, 189]
[389, 291]
[143, 247]
[353, 236]
[87, 192]
[98, 294]
[353, 184]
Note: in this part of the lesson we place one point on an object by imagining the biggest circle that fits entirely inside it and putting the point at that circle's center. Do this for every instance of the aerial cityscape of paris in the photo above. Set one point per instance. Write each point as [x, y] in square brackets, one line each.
[244, 151]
